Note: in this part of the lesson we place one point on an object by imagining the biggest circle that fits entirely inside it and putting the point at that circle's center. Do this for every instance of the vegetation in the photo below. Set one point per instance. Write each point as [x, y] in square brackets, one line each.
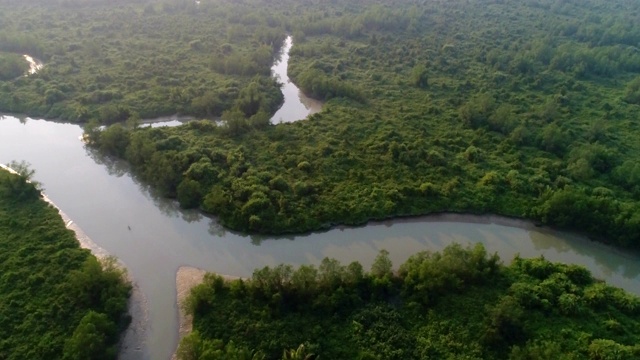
[461, 303]
[112, 60]
[57, 301]
[12, 66]
[520, 108]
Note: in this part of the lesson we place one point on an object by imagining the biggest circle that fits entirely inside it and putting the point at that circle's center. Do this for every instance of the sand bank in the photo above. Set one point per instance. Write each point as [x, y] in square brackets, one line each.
[186, 278]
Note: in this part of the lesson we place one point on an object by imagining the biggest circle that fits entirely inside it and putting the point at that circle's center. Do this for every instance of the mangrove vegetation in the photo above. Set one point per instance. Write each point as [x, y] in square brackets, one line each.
[519, 108]
[57, 301]
[461, 303]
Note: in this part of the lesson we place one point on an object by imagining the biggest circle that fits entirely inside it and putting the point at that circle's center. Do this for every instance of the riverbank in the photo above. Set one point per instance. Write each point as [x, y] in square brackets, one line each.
[186, 278]
[132, 339]
[48, 273]
[104, 198]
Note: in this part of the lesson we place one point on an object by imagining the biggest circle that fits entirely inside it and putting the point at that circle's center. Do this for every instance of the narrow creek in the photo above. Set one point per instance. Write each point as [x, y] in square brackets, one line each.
[296, 105]
[34, 64]
[154, 237]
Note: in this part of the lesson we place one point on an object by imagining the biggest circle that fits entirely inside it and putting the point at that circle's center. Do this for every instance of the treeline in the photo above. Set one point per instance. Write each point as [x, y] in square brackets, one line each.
[458, 303]
[318, 85]
[521, 119]
[12, 66]
[58, 300]
[376, 17]
[181, 58]
[21, 43]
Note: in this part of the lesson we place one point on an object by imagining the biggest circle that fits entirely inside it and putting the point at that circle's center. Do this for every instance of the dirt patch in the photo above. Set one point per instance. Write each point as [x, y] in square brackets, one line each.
[186, 278]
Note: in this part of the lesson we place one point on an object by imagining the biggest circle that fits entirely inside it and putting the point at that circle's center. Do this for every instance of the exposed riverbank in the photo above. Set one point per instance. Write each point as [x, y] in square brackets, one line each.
[296, 106]
[133, 338]
[186, 278]
[106, 199]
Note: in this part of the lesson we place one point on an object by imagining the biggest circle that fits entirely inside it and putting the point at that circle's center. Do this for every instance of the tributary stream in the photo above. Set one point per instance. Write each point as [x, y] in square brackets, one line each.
[153, 237]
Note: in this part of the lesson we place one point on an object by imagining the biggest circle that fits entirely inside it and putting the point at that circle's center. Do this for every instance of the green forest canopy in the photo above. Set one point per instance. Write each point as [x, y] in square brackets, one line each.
[520, 108]
[461, 303]
[57, 301]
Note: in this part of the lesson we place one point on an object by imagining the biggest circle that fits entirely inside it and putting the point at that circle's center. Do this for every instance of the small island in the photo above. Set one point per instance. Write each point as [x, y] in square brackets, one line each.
[461, 303]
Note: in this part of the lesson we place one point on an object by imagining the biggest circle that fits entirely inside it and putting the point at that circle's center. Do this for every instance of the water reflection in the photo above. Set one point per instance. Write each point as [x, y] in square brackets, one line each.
[154, 236]
[623, 263]
[296, 106]
[114, 166]
[118, 168]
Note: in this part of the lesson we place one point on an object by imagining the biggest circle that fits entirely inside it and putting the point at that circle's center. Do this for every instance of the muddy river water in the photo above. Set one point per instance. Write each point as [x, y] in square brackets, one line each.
[153, 237]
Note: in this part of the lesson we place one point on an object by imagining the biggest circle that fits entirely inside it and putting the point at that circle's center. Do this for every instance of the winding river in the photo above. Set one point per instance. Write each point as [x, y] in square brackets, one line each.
[34, 64]
[296, 105]
[153, 237]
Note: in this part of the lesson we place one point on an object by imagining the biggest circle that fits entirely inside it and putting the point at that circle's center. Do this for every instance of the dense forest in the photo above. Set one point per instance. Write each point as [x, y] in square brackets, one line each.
[115, 60]
[520, 108]
[461, 303]
[57, 301]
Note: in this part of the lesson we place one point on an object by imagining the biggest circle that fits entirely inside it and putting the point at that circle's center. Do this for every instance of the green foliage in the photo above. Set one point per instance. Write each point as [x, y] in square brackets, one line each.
[58, 301]
[320, 86]
[89, 339]
[175, 60]
[419, 76]
[596, 212]
[12, 66]
[632, 94]
[189, 193]
[193, 347]
[428, 275]
[531, 309]
[508, 107]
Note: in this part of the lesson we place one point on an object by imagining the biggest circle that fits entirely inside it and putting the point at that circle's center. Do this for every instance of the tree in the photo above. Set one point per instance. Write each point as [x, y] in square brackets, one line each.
[553, 138]
[90, 339]
[23, 184]
[190, 347]
[505, 323]
[382, 265]
[23, 169]
[632, 95]
[114, 140]
[419, 76]
[12, 66]
[298, 354]
[189, 193]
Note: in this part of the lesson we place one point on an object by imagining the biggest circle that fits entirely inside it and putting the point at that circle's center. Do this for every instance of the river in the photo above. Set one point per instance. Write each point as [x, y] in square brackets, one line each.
[296, 106]
[154, 237]
[34, 64]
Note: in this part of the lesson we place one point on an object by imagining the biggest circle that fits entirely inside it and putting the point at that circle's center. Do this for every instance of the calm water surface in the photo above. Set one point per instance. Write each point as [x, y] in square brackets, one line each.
[297, 106]
[105, 200]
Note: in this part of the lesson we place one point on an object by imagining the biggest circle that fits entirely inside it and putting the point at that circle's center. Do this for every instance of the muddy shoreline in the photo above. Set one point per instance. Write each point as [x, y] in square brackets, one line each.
[186, 278]
[132, 339]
